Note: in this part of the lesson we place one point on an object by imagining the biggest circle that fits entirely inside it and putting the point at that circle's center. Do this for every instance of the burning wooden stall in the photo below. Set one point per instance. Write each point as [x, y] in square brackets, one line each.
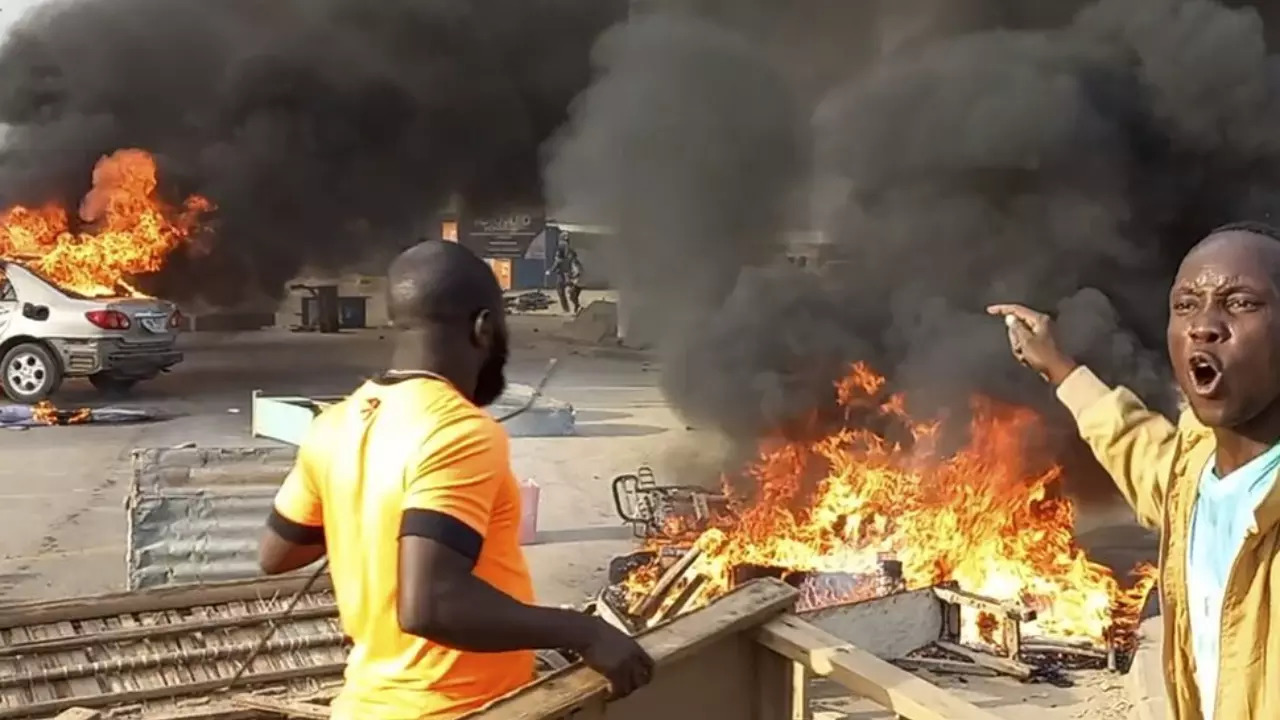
[869, 501]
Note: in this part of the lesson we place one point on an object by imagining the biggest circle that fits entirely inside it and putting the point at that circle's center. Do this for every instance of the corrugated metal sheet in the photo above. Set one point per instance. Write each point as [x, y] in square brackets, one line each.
[195, 514]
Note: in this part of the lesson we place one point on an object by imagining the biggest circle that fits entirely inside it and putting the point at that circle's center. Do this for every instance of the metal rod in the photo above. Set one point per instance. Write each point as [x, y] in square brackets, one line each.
[537, 392]
[1060, 648]
[275, 624]
[940, 665]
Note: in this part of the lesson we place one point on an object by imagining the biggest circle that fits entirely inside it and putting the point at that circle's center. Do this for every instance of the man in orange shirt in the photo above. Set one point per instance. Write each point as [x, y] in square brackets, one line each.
[407, 486]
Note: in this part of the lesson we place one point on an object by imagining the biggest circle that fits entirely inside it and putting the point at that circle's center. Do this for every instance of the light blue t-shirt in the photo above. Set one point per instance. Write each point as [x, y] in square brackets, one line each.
[1220, 522]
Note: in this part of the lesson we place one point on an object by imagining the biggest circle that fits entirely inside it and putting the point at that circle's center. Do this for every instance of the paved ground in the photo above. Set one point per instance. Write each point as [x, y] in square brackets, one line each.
[62, 489]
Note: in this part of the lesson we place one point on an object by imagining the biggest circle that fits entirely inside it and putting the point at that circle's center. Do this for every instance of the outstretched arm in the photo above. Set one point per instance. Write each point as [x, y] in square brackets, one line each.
[1134, 444]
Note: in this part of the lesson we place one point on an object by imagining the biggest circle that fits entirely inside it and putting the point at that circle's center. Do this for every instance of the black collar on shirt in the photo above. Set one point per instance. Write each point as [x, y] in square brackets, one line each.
[391, 377]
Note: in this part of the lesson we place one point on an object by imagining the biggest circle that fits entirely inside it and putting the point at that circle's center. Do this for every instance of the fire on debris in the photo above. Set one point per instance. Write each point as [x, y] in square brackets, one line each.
[124, 230]
[45, 413]
[838, 507]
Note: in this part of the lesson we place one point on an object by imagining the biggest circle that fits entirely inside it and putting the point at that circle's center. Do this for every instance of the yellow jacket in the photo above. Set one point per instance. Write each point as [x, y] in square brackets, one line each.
[1157, 466]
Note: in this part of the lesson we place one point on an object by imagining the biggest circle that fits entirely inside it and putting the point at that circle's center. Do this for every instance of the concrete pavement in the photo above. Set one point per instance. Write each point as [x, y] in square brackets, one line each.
[62, 521]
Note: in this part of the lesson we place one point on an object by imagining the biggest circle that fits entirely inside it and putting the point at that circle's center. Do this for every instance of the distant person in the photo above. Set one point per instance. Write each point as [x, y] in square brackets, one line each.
[1209, 482]
[407, 486]
[566, 270]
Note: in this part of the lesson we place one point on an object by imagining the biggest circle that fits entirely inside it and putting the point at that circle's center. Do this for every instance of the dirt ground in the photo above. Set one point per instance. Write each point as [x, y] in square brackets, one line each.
[1097, 695]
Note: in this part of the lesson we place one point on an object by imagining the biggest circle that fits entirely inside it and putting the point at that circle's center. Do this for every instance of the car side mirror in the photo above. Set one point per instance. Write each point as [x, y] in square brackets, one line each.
[39, 313]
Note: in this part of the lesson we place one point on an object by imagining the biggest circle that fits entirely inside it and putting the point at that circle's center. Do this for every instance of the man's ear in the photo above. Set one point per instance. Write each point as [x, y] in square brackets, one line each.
[482, 330]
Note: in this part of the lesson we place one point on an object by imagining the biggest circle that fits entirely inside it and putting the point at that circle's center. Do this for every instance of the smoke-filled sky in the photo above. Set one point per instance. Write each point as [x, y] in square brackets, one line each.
[955, 153]
[959, 153]
[324, 130]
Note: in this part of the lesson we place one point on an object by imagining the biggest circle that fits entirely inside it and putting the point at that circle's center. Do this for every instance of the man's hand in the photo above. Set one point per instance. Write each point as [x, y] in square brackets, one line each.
[1031, 339]
[619, 658]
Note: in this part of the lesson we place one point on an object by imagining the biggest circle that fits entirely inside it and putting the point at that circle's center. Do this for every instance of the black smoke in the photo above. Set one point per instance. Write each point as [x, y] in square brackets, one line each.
[1065, 157]
[324, 130]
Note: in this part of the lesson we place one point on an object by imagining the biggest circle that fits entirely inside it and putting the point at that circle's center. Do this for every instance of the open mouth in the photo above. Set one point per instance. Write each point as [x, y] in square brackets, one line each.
[1206, 373]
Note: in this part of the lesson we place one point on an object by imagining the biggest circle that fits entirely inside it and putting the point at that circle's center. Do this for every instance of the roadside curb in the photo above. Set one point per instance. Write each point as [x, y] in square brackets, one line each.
[612, 352]
[1145, 681]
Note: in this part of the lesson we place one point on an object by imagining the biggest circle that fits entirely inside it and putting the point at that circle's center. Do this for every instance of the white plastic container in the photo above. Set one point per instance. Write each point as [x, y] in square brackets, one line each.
[529, 493]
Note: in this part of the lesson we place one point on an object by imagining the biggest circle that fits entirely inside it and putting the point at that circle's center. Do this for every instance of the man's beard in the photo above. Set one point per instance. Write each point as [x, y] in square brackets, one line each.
[492, 379]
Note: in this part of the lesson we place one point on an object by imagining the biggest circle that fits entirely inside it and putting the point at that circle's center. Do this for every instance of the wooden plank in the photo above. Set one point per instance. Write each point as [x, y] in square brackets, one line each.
[158, 631]
[287, 708]
[572, 689]
[110, 700]
[78, 713]
[864, 674]
[1012, 668]
[1012, 611]
[18, 614]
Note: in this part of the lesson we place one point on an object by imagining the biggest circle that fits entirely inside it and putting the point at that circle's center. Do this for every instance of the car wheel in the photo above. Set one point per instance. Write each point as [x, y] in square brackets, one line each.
[31, 373]
[112, 384]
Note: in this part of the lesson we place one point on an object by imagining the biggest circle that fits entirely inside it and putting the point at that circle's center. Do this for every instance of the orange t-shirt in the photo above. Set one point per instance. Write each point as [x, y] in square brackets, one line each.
[417, 444]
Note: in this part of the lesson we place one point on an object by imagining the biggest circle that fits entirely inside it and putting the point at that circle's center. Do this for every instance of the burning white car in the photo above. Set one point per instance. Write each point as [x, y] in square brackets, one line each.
[48, 333]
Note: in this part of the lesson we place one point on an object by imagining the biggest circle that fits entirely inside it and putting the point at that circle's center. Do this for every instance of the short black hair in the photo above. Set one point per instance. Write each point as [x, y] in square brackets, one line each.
[1249, 226]
[439, 281]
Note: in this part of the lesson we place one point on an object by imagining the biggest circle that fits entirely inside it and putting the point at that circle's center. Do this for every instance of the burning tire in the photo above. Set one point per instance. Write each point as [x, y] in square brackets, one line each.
[31, 373]
[108, 384]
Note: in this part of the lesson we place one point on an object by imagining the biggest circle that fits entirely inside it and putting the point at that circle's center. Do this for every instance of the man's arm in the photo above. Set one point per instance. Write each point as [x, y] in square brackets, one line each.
[1135, 445]
[294, 536]
[441, 600]
[442, 529]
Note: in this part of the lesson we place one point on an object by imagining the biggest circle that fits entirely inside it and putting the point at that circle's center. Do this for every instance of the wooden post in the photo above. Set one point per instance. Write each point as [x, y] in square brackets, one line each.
[774, 685]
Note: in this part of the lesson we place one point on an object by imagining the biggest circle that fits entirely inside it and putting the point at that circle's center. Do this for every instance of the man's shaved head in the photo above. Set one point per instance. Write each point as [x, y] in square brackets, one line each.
[1253, 239]
[438, 281]
[448, 306]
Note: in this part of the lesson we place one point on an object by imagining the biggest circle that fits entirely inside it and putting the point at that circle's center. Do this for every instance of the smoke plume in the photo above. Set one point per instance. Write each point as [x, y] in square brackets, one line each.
[324, 130]
[1066, 158]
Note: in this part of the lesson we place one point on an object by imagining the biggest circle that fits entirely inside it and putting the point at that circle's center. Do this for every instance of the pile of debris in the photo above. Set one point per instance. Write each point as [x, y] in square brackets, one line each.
[929, 628]
[45, 413]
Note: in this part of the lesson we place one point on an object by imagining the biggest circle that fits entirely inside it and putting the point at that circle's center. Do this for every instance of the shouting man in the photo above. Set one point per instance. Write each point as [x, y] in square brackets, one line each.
[1209, 482]
[407, 486]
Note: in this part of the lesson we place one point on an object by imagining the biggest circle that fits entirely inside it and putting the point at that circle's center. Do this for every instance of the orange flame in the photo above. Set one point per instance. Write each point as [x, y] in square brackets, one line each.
[978, 516]
[128, 231]
[45, 413]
